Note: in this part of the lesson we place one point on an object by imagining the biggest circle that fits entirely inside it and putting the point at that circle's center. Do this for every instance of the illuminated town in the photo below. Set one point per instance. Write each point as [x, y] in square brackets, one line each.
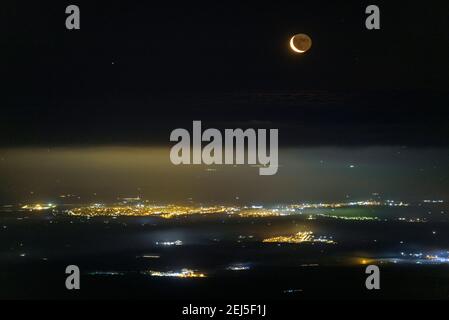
[38, 206]
[184, 273]
[136, 207]
[140, 210]
[171, 211]
[300, 237]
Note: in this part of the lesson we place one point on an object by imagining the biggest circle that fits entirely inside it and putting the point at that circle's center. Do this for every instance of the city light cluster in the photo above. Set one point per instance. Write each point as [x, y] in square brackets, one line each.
[299, 237]
[169, 243]
[38, 206]
[136, 207]
[413, 220]
[356, 218]
[167, 212]
[367, 203]
[173, 211]
[184, 273]
[259, 213]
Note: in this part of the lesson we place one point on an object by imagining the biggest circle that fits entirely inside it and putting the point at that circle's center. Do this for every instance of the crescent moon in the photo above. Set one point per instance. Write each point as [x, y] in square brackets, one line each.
[292, 45]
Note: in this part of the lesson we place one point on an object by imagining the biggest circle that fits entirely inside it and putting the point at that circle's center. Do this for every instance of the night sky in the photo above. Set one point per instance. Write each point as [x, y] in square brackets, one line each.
[136, 71]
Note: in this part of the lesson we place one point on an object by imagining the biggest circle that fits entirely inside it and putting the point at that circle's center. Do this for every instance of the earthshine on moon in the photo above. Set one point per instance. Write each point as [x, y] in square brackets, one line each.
[300, 43]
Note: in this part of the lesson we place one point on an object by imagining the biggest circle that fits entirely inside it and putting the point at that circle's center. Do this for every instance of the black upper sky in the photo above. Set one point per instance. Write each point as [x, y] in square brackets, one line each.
[137, 70]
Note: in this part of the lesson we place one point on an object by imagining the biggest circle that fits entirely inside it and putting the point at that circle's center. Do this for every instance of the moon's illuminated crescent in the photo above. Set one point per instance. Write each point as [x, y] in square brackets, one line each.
[300, 43]
[292, 45]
